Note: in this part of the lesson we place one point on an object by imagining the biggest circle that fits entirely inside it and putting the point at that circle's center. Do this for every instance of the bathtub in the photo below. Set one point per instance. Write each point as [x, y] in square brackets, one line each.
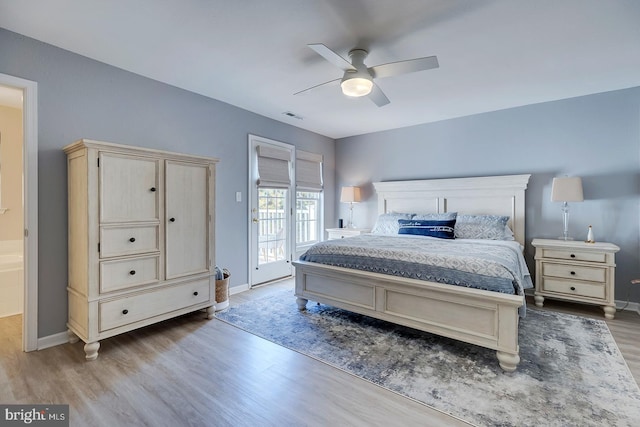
[11, 278]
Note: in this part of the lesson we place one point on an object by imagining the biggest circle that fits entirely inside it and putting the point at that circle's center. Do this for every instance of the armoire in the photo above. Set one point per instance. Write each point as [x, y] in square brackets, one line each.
[141, 238]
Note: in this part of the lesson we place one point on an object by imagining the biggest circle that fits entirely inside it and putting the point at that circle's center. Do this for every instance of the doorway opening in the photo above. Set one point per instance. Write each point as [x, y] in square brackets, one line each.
[19, 206]
[270, 204]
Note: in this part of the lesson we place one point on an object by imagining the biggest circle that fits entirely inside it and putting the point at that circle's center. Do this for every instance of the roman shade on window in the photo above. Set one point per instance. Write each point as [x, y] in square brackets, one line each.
[308, 171]
[273, 167]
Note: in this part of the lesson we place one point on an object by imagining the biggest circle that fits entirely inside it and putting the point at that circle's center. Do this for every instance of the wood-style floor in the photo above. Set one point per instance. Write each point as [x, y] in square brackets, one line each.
[192, 371]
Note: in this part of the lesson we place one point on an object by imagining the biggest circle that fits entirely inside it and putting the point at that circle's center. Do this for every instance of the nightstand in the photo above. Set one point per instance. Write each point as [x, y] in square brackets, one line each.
[576, 271]
[341, 233]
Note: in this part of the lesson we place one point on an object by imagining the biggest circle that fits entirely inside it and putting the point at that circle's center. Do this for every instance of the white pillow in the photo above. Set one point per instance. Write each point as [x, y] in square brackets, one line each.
[508, 233]
[388, 223]
[444, 216]
[481, 227]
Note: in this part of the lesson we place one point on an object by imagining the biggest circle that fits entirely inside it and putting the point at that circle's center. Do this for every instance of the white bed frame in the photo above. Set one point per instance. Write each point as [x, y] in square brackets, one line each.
[484, 318]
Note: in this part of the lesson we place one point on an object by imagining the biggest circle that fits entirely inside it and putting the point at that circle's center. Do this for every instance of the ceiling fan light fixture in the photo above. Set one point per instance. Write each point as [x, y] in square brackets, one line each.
[356, 86]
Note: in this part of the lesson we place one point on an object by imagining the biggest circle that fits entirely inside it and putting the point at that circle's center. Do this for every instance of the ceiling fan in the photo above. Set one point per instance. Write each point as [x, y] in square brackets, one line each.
[358, 78]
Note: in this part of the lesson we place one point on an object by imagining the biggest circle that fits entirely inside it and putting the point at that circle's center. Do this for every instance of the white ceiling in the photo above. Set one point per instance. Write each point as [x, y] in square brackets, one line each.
[493, 54]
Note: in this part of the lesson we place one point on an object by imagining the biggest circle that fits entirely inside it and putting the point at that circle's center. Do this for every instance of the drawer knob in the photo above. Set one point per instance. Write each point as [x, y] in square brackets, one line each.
[573, 288]
[125, 311]
[195, 293]
[132, 272]
[342, 237]
[573, 255]
[133, 239]
[152, 189]
[172, 220]
[573, 273]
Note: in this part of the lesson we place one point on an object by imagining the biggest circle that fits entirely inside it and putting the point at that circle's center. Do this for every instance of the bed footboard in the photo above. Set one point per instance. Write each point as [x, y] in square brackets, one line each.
[484, 318]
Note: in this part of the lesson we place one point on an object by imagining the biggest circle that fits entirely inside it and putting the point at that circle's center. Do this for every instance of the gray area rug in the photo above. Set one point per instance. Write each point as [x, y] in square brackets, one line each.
[571, 371]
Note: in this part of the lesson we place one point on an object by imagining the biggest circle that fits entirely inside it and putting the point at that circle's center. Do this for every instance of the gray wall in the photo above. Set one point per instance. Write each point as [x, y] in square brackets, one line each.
[596, 137]
[82, 98]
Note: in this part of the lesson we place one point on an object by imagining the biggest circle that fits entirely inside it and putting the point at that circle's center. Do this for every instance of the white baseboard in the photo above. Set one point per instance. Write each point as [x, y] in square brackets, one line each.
[53, 340]
[633, 306]
[238, 288]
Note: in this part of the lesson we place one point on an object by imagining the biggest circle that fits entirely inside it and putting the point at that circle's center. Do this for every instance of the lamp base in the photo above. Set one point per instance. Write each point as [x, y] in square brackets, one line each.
[565, 238]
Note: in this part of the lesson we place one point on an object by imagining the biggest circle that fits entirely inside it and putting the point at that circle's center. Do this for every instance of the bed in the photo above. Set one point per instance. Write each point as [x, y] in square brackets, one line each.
[476, 316]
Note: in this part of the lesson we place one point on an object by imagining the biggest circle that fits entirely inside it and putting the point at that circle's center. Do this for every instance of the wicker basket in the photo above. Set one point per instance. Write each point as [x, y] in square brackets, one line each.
[222, 291]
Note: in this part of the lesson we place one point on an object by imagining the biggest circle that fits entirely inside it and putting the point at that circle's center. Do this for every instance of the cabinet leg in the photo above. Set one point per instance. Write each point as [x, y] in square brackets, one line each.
[539, 299]
[91, 350]
[302, 303]
[609, 312]
[508, 361]
[210, 311]
[73, 338]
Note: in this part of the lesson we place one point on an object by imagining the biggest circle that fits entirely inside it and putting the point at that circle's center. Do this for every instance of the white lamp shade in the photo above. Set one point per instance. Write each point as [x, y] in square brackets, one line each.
[567, 189]
[350, 195]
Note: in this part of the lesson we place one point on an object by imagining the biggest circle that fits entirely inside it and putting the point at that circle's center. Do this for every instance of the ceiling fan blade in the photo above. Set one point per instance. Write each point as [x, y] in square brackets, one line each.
[331, 56]
[404, 67]
[378, 96]
[317, 86]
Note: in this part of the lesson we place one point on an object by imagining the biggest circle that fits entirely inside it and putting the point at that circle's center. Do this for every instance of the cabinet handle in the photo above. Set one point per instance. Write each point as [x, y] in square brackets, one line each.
[573, 255]
[132, 272]
[133, 239]
[152, 189]
[573, 273]
[573, 288]
[125, 311]
[172, 220]
[195, 293]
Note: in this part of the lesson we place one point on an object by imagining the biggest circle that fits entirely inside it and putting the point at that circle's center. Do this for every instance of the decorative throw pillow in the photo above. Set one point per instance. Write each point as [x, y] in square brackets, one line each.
[481, 227]
[423, 227]
[436, 216]
[388, 223]
[508, 234]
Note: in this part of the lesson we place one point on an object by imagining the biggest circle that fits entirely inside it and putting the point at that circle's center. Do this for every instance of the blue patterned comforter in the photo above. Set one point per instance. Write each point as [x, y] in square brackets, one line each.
[494, 265]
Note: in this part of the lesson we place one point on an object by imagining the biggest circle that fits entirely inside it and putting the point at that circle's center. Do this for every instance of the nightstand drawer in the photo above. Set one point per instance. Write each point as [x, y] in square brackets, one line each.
[591, 274]
[341, 234]
[568, 287]
[574, 255]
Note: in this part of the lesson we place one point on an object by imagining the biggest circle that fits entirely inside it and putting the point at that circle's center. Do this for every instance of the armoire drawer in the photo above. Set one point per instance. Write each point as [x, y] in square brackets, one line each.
[128, 240]
[128, 273]
[126, 310]
[567, 271]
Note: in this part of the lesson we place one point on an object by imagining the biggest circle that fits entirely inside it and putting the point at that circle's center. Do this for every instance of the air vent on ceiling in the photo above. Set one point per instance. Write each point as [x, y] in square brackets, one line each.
[293, 115]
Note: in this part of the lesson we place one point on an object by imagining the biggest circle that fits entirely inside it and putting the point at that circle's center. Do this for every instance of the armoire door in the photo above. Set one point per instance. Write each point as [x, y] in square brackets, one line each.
[128, 188]
[186, 218]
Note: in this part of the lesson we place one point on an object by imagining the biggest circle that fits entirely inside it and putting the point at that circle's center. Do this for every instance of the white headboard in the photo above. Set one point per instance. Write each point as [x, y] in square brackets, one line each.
[488, 195]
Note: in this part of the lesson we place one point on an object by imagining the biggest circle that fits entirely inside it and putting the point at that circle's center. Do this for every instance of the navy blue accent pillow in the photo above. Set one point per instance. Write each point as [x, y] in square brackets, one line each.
[441, 229]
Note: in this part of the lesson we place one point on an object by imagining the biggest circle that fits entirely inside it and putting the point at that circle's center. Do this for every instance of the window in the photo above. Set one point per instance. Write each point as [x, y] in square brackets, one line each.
[308, 199]
[308, 215]
[272, 204]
